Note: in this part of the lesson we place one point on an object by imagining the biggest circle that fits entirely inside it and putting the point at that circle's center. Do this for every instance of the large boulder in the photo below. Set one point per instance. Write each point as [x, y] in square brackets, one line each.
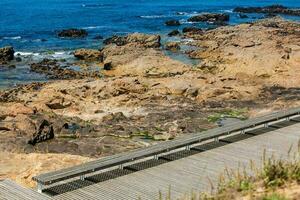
[172, 23]
[73, 33]
[88, 54]
[210, 17]
[45, 132]
[6, 54]
[145, 40]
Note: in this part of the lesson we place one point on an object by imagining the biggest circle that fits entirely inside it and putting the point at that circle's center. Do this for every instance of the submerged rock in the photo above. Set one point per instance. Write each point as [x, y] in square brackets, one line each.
[88, 54]
[273, 9]
[6, 54]
[73, 33]
[173, 33]
[172, 46]
[172, 23]
[243, 16]
[210, 17]
[145, 40]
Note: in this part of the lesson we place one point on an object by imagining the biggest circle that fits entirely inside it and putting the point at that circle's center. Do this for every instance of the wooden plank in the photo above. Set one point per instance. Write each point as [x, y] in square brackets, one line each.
[118, 159]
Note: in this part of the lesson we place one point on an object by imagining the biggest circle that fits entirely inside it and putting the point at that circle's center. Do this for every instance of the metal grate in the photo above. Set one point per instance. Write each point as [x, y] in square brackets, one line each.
[260, 131]
[209, 146]
[178, 155]
[235, 138]
[66, 187]
[283, 124]
[145, 164]
[296, 119]
[108, 175]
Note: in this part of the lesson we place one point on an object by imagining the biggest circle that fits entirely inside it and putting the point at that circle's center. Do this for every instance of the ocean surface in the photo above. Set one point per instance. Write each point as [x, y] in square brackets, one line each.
[30, 26]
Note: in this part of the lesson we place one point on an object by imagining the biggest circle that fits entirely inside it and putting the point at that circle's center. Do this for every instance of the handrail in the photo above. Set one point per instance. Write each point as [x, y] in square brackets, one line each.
[118, 159]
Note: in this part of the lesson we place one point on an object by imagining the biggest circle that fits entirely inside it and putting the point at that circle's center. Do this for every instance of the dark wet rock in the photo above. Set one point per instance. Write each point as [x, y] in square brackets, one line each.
[45, 132]
[18, 59]
[173, 33]
[107, 66]
[192, 29]
[172, 46]
[73, 33]
[88, 55]
[12, 66]
[6, 54]
[98, 37]
[243, 16]
[172, 23]
[273, 9]
[145, 40]
[53, 70]
[210, 17]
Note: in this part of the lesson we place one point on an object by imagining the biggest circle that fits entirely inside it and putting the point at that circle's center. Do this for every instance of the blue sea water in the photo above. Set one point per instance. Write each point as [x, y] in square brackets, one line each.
[32, 25]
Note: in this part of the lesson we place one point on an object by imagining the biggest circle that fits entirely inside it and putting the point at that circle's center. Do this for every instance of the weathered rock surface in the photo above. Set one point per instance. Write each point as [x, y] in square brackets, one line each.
[54, 70]
[88, 55]
[73, 33]
[172, 46]
[6, 54]
[148, 41]
[273, 9]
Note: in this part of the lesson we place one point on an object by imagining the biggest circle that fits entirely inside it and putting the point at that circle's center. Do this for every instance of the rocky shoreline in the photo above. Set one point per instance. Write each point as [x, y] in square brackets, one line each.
[140, 96]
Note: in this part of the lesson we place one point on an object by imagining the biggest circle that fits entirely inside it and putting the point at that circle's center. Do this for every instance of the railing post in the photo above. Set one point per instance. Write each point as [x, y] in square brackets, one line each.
[40, 187]
[188, 147]
[266, 125]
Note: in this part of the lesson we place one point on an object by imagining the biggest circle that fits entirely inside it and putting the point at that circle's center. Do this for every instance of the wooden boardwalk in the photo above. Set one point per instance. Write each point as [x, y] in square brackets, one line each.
[197, 173]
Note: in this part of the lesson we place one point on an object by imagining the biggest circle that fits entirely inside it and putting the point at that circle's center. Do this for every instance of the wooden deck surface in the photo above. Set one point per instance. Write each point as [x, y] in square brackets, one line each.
[199, 172]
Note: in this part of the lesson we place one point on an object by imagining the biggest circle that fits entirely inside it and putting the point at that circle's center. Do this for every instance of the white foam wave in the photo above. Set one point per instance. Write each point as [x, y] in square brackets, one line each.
[93, 27]
[183, 21]
[227, 11]
[20, 53]
[154, 16]
[12, 38]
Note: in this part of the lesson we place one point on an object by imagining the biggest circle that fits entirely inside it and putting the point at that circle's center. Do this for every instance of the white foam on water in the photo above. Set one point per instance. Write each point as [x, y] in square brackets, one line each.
[12, 38]
[94, 27]
[154, 16]
[227, 11]
[26, 53]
